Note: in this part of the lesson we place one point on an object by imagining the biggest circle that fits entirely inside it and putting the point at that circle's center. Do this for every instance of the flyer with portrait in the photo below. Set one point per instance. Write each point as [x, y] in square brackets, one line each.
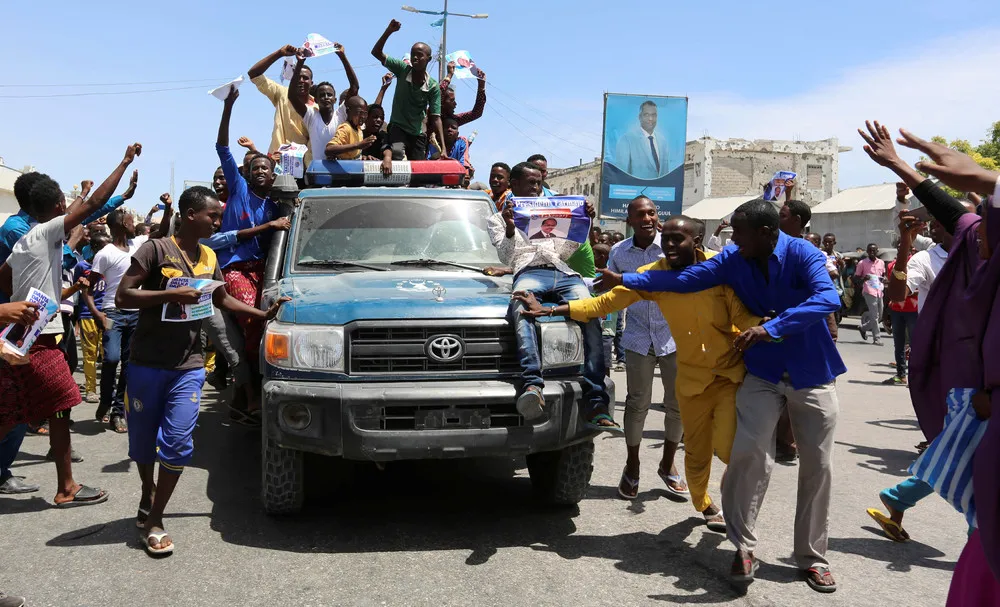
[778, 184]
[546, 217]
[175, 312]
[18, 338]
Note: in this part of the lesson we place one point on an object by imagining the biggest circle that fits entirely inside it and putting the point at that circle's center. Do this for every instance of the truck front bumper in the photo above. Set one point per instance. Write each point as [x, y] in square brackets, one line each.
[420, 420]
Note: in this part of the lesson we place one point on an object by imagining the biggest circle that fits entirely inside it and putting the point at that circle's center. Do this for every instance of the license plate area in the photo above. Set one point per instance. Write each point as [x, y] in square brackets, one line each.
[451, 419]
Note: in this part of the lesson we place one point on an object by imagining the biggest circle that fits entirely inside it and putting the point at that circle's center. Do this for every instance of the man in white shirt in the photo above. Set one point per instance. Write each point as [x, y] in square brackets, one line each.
[111, 263]
[539, 267]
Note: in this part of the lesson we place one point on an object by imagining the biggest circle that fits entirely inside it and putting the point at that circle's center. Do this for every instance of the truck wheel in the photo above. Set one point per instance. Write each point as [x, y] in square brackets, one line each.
[562, 477]
[283, 483]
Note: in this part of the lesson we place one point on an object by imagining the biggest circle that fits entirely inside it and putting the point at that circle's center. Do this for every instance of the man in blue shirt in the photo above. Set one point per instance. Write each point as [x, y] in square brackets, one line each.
[793, 364]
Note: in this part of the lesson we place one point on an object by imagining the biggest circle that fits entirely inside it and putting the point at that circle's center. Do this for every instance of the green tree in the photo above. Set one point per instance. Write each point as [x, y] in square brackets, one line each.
[986, 154]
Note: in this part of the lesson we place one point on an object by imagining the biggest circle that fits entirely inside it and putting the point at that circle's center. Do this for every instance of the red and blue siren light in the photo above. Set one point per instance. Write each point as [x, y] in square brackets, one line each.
[354, 173]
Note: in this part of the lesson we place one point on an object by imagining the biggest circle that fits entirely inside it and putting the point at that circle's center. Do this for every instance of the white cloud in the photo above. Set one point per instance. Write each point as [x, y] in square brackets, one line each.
[946, 87]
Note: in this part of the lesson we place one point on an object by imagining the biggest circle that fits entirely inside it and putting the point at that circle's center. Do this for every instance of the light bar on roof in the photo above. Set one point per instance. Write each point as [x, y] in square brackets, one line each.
[369, 173]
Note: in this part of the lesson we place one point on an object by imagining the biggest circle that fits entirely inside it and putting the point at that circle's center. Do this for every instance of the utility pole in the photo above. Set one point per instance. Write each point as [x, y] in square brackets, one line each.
[443, 52]
[443, 22]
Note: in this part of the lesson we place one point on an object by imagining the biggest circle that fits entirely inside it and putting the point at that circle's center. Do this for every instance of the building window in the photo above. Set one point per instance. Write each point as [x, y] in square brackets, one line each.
[814, 177]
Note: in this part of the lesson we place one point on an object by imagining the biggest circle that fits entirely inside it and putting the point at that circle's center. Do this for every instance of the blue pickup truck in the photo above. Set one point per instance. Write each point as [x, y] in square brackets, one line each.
[396, 346]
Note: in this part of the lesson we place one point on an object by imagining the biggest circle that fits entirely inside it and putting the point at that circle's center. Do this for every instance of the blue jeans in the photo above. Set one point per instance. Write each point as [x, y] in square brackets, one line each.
[552, 286]
[117, 342]
[903, 324]
[9, 447]
[906, 494]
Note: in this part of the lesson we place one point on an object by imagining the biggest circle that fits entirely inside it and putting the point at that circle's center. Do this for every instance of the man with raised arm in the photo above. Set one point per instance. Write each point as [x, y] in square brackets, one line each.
[417, 96]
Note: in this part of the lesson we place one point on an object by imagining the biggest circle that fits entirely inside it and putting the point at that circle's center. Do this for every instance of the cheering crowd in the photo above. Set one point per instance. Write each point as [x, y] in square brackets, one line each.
[743, 336]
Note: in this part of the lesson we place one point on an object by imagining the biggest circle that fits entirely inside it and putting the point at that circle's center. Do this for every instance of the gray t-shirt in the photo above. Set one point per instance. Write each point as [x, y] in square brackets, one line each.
[36, 261]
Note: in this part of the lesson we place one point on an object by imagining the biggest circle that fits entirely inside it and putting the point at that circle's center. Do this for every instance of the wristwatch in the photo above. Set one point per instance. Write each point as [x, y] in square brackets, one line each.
[899, 275]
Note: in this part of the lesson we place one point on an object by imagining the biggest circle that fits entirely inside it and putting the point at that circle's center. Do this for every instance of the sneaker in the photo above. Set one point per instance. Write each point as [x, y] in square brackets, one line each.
[92, 397]
[530, 403]
[864, 335]
[878, 342]
[895, 380]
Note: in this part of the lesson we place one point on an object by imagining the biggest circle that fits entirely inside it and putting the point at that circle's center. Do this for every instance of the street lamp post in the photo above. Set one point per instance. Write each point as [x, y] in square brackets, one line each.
[443, 50]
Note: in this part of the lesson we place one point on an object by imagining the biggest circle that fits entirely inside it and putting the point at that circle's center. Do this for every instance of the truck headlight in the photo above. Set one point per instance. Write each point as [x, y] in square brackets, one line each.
[561, 344]
[304, 347]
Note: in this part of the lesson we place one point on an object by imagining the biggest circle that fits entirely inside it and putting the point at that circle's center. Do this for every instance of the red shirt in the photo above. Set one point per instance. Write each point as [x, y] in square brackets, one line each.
[909, 304]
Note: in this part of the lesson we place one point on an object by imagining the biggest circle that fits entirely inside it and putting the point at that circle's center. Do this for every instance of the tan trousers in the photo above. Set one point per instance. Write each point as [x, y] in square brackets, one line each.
[639, 373]
[813, 413]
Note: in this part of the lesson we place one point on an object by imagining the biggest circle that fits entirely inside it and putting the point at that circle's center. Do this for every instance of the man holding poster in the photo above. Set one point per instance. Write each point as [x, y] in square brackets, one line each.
[167, 369]
[539, 267]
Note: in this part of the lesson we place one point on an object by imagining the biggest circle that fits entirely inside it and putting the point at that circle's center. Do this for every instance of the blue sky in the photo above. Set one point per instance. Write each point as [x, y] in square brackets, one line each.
[751, 69]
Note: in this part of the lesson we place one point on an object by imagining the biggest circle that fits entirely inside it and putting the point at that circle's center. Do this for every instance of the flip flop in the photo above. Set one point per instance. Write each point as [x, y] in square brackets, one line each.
[715, 525]
[669, 478]
[140, 518]
[633, 484]
[891, 528]
[593, 424]
[157, 537]
[86, 496]
[822, 572]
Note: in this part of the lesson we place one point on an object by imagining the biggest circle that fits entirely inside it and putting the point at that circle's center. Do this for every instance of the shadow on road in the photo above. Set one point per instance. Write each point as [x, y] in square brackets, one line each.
[888, 461]
[898, 557]
[896, 424]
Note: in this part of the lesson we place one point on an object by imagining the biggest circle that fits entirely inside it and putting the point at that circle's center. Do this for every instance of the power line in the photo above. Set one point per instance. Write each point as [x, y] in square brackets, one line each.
[539, 127]
[533, 108]
[96, 93]
[516, 128]
[159, 90]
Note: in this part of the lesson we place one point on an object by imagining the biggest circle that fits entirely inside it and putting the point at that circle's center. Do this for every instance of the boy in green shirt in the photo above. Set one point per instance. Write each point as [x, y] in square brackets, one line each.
[415, 92]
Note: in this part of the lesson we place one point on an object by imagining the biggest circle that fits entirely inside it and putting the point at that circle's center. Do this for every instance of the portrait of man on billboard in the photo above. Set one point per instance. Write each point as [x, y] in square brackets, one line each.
[643, 151]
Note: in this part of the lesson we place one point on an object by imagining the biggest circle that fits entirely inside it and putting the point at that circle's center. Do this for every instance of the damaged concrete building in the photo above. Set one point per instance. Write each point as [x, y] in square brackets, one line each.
[720, 174]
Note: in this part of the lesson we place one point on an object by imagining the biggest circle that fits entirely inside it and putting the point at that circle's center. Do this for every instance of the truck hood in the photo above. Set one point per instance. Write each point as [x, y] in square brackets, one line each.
[337, 299]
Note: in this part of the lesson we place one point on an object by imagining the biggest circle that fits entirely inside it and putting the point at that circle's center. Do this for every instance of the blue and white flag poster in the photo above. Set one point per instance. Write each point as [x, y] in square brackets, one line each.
[18, 338]
[644, 145]
[781, 181]
[559, 217]
[175, 312]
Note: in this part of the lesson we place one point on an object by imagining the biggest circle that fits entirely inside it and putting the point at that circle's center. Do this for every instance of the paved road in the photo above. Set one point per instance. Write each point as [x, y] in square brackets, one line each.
[467, 533]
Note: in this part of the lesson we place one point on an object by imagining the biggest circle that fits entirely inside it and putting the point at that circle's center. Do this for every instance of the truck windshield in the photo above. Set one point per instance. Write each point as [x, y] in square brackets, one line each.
[385, 230]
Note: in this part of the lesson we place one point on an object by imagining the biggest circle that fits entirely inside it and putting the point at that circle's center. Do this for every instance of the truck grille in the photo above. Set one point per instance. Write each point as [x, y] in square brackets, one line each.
[401, 349]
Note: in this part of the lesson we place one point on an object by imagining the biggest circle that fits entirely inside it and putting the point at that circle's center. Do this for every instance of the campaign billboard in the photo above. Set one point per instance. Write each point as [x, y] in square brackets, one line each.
[643, 152]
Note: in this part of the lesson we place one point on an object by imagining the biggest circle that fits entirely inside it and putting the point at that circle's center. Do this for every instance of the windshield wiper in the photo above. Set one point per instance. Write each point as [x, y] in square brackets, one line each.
[435, 262]
[338, 263]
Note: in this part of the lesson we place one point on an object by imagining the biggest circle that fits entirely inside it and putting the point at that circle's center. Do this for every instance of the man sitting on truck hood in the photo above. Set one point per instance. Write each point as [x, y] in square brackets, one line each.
[541, 270]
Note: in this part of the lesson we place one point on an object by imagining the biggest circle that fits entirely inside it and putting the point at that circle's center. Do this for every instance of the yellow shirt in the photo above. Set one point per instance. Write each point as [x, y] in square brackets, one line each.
[704, 325]
[288, 125]
[347, 134]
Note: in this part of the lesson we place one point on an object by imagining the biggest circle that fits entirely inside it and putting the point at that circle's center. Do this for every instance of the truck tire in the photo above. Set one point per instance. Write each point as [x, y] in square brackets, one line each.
[561, 478]
[283, 482]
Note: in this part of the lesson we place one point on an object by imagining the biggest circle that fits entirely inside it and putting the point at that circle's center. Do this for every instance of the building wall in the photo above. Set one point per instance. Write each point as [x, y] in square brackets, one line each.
[731, 167]
[736, 167]
[858, 228]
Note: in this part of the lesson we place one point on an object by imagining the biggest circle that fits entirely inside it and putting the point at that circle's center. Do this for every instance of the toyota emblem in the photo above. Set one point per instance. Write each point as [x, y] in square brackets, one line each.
[445, 348]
